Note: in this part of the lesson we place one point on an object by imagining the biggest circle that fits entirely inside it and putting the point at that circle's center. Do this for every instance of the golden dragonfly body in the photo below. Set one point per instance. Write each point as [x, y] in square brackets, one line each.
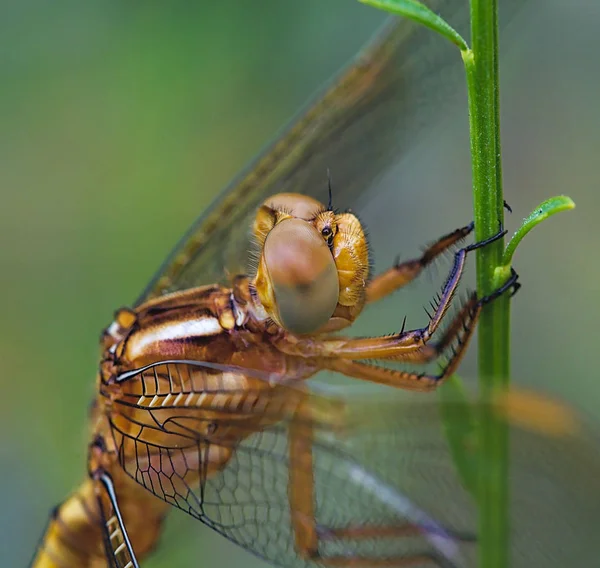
[202, 402]
[186, 377]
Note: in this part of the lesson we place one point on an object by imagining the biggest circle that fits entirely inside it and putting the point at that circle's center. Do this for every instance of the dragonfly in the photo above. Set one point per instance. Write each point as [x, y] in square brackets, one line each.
[202, 396]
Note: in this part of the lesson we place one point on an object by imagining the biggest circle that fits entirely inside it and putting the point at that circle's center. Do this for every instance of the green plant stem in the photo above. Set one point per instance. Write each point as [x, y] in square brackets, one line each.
[481, 65]
[484, 473]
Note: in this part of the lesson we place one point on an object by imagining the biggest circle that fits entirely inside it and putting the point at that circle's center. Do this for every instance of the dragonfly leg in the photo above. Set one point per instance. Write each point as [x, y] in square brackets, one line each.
[401, 345]
[402, 273]
[424, 381]
[459, 326]
[308, 533]
[405, 346]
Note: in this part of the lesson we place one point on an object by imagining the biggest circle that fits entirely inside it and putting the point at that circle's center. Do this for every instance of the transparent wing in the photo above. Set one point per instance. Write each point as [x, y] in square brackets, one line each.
[119, 552]
[374, 479]
[358, 128]
[554, 467]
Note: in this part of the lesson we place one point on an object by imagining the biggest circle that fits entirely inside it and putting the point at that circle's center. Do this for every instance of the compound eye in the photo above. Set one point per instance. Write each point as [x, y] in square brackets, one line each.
[297, 205]
[303, 276]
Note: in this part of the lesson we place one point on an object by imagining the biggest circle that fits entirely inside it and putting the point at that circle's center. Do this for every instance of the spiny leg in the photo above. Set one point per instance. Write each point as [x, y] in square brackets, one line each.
[404, 272]
[397, 346]
[424, 381]
[432, 351]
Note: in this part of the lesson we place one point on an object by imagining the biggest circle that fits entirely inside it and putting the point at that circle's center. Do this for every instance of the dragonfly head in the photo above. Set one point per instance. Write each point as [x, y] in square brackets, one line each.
[313, 263]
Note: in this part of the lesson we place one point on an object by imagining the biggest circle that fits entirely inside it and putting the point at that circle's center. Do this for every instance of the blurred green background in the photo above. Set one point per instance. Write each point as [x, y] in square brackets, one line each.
[120, 121]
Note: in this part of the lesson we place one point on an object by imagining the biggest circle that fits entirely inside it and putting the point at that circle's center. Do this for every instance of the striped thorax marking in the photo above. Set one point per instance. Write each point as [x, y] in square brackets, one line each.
[140, 342]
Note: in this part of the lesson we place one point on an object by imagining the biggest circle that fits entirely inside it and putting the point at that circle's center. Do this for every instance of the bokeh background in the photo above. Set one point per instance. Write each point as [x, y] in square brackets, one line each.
[120, 121]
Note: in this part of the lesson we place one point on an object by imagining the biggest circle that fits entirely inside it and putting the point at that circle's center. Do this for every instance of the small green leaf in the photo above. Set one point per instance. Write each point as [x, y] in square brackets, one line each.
[543, 211]
[460, 427]
[420, 13]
